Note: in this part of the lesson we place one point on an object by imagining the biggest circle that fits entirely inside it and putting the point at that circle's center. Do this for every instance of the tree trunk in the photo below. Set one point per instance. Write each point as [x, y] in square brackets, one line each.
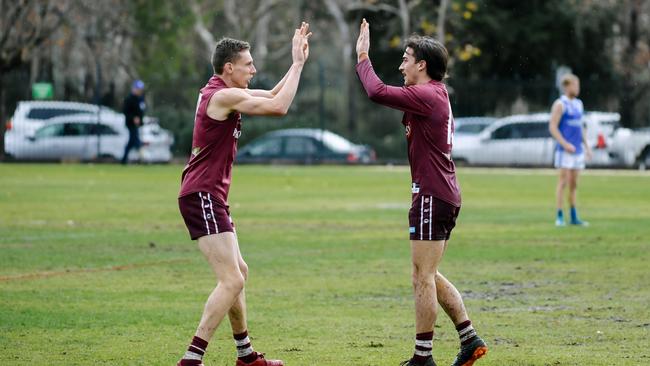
[627, 100]
[261, 49]
[202, 31]
[405, 18]
[346, 66]
[442, 15]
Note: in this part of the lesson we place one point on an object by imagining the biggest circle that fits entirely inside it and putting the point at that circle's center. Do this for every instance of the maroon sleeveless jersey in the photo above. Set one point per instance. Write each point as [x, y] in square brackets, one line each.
[214, 145]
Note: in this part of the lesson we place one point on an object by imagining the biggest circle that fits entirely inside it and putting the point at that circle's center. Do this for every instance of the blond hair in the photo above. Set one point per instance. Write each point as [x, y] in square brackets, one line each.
[567, 79]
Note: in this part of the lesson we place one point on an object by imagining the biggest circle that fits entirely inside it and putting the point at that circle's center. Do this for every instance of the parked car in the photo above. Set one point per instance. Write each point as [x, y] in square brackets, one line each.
[30, 115]
[467, 129]
[631, 148]
[75, 137]
[525, 140]
[471, 125]
[304, 146]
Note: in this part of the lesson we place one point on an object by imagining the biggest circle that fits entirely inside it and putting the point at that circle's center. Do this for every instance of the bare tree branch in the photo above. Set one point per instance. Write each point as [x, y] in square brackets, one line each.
[199, 27]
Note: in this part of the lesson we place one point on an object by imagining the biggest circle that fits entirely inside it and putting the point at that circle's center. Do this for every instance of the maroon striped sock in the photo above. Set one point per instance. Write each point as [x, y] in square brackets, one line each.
[195, 352]
[466, 332]
[244, 348]
[423, 347]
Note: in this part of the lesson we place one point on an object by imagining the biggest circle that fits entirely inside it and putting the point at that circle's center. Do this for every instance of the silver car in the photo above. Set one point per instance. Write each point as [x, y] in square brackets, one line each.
[525, 140]
[80, 137]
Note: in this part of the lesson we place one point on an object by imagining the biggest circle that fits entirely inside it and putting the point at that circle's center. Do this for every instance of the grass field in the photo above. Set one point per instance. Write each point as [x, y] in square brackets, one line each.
[96, 267]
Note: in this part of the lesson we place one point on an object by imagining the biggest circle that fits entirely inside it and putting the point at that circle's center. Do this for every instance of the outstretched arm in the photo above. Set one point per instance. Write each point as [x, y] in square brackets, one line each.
[233, 99]
[269, 93]
[406, 99]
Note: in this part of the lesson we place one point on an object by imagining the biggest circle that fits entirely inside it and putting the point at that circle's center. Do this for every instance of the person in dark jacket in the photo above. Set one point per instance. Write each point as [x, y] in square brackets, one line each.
[133, 109]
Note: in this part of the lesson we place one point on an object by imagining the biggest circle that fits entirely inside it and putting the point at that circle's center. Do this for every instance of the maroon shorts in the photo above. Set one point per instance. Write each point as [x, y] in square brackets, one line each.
[431, 218]
[203, 215]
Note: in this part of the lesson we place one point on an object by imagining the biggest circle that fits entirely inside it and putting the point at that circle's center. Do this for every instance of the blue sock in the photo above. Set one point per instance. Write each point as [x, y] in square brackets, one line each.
[560, 214]
[574, 214]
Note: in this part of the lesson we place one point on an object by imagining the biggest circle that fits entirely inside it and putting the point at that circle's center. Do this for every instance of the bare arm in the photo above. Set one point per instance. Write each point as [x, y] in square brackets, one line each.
[228, 100]
[233, 99]
[268, 93]
[556, 115]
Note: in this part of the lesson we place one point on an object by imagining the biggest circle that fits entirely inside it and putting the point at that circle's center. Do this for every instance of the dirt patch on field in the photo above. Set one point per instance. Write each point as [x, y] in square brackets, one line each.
[47, 274]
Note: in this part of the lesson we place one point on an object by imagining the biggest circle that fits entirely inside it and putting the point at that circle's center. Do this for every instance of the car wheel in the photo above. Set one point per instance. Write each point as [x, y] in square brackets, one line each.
[107, 158]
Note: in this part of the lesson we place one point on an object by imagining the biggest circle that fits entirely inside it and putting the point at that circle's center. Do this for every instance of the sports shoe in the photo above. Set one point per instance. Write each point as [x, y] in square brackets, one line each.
[429, 362]
[559, 222]
[469, 353]
[578, 222]
[260, 361]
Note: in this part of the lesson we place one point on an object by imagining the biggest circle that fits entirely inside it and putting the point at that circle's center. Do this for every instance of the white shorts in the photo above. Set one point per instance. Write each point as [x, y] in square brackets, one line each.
[566, 160]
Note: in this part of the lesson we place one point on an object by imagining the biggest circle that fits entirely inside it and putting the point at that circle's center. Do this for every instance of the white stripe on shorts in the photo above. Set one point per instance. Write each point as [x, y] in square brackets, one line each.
[204, 216]
[216, 228]
[430, 216]
[421, 216]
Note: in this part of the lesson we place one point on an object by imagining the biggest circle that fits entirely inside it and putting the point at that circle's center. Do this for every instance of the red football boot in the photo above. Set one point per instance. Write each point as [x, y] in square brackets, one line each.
[260, 361]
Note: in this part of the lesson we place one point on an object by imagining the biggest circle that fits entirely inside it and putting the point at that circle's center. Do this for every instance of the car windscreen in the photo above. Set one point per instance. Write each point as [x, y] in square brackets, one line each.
[264, 147]
[337, 143]
[471, 129]
[46, 113]
[525, 130]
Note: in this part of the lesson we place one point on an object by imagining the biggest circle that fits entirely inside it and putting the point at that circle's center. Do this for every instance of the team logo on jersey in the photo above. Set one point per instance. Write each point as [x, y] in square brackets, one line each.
[196, 150]
[407, 129]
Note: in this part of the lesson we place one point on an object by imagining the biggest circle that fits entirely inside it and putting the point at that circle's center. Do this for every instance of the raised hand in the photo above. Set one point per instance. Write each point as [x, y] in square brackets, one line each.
[300, 44]
[363, 42]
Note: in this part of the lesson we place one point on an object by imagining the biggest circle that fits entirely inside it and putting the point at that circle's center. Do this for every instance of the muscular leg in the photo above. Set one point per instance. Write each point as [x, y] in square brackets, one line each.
[221, 251]
[449, 298]
[472, 346]
[237, 313]
[426, 256]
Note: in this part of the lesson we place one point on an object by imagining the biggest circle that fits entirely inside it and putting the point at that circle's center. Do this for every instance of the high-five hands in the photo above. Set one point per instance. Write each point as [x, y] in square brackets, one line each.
[300, 44]
[363, 42]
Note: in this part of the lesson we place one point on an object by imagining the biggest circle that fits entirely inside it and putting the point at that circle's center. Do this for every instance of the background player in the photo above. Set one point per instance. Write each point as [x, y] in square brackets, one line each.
[436, 196]
[203, 198]
[572, 147]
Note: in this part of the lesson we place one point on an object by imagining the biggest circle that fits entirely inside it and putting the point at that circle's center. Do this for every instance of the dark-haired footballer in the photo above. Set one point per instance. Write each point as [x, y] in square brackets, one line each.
[429, 126]
[203, 197]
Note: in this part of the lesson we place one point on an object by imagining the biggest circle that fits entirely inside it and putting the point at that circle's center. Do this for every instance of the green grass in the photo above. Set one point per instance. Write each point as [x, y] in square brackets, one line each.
[96, 267]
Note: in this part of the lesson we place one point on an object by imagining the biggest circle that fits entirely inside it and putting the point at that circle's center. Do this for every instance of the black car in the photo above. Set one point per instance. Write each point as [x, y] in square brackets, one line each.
[304, 146]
